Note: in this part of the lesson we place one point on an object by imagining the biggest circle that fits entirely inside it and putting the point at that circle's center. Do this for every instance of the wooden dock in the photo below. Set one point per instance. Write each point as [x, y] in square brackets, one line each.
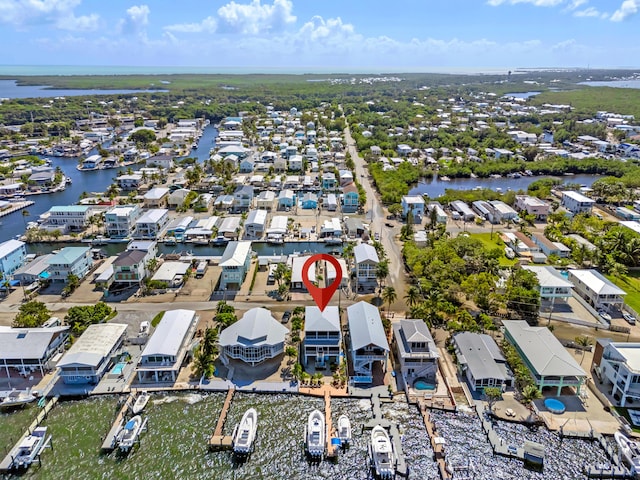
[331, 448]
[5, 464]
[217, 440]
[109, 442]
[15, 206]
[436, 445]
[610, 471]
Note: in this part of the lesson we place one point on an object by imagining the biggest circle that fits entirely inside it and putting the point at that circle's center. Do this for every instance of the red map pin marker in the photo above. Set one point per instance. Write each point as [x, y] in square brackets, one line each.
[322, 296]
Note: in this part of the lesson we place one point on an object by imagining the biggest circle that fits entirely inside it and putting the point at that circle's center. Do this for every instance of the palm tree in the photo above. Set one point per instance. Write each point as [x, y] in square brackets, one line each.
[389, 296]
[530, 393]
[382, 271]
[413, 296]
[584, 342]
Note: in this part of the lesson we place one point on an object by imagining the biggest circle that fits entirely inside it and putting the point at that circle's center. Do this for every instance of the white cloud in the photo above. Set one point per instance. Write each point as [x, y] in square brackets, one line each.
[627, 9]
[537, 3]
[136, 20]
[59, 13]
[255, 18]
[588, 12]
[208, 25]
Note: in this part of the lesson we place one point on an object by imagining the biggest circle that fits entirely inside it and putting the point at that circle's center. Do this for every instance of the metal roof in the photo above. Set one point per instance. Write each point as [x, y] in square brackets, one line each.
[542, 350]
[68, 255]
[325, 321]
[170, 333]
[94, 345]
[365, 252]
[256, 327]
[481, 355]
[596, 282]
[235, 255]
[365, 326]
[9, 247]
[26, 343]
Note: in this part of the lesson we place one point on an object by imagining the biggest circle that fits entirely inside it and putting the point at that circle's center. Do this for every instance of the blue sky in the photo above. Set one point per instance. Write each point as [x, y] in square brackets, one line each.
[339, 35]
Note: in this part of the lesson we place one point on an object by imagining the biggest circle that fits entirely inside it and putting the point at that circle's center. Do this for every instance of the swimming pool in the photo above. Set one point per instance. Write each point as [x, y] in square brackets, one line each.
[554, 405]
[118, 368]
[422, 385]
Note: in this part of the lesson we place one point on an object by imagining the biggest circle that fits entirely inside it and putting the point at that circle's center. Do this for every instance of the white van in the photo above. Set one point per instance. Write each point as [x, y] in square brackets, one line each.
[201, 269]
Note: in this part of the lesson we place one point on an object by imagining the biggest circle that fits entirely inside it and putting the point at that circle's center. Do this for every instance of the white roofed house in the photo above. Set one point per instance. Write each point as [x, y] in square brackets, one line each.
[253, 339]
[120, 220]
[368, 346]
[157, 197]
[552, 284]
[322, 337]
[277, 228]
[167, 347]
[229, 227]
[12, 256]
[265, 200]
[151, 224]
[576, 202]
[255, 224]
[235, 263]
[68, 218]
[618, 364]
[91, 355]
[413, 204]
[416, 351]
[331, 273]
[550, 364]
[596, 289]
[366, 261]
[242, 198]
[533, 206]
[171, 274]
[25, 350]
[296, 264]
[70, 260]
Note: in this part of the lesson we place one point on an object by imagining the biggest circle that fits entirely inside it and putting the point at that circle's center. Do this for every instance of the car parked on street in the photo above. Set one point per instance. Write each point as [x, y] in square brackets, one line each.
[631, 320]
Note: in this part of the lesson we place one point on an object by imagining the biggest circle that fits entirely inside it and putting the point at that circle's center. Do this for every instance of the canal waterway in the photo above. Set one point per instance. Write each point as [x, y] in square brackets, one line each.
[180, 424]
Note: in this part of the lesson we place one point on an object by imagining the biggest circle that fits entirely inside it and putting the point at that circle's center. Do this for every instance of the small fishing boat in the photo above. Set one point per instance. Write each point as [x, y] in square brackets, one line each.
[245, 432]
[344, 429]
[141, 401]
[315, 434]
[630, 451]
[16, 398]
[128, 434]
[29, 449]
[382, 453]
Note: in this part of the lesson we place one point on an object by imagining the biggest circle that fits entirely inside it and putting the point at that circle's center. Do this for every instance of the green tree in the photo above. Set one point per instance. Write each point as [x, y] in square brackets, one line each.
[584, 342]
[389, 296]
[205, 354]
[493, 394]
[413, 296]
[529, 394]
[31, 314]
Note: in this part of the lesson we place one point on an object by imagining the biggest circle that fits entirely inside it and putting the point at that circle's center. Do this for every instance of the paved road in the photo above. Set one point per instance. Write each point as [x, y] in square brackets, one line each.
[389, 237]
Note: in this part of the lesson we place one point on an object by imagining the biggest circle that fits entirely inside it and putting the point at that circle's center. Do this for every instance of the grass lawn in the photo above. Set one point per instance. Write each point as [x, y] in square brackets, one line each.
[630, 283]
[622, 411]
[495, 242]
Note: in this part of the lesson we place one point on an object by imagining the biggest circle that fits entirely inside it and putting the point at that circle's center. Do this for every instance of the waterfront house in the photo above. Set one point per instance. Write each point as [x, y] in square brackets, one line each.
[309, 201]
[253, 339]
[178, 227]
[292, 182]
[277, 228]
[120, 220]
[322, 336]
[416, 351]
[33, 271]
[350, 198]
[618, 364]
[129, 182]
[11, 189]
[129, 268]
[167, 348]
[171, 274]
[368, 346]
[413, 204]
[242, 198]
[481, 361]
[43, 179]
[164, 162]
[265, 200]
[354, 227]
[255, 224]
[552, 285]
[235, 263]
[70, 260]
[157, 197]
[592, 286]
[69, 218]
[91, 355]
[286, 199]
[26, 350]
[550, 364]
[331, 273]
[533, 206]
[576, 202]
[230, 228]
[296, 263]
[12, 256]
[151, 224]
[366, 261]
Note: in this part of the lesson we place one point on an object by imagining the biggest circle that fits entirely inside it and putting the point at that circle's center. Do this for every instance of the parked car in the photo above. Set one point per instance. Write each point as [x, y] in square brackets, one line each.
[376, 237]
[629, 318]
[604, 315]
[286, 316]
[389, 225]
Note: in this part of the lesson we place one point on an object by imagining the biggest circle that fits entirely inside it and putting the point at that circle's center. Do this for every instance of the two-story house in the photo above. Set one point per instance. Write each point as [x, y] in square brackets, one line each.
[366, 260]
[596, 289]
[415, 205]
[619, 364]
[533, 206]
[69, 218]
[322, 337]
[167, 347]
[120, 220]
[70, 260]
[242, 198]
[416, 351]
[235, 263]
[129, 267]
[368, 346]
[151, 223]
[12, 256]
[576, 202]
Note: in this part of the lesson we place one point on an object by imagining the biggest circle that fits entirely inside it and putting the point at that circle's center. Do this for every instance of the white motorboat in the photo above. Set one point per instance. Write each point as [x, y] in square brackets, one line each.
[245, 432]
[382, 453]
[315, 434]
[29, 449]
[128, 434]
[141, 401]
[17, 398]
[630, 450]
[344, 429]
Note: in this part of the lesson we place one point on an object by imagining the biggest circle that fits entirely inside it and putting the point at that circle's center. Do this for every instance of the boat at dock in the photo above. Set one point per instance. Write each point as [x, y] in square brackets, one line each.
[129, 433]
[16, 399]
[630, 450]
[344, 429]
[245, 432]
[141, 401]
[27, 451]
[382, 454]
[315, 434]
